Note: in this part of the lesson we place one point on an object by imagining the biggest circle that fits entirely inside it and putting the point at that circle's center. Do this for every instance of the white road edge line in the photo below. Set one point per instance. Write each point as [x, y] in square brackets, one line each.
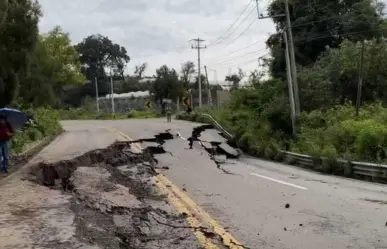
[279, 181]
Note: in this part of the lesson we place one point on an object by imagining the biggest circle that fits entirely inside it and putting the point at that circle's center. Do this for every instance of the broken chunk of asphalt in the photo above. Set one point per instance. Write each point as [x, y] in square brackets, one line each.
[213, 148]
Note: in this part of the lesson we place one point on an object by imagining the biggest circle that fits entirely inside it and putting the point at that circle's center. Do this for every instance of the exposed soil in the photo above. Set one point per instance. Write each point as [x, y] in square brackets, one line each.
[112, 199]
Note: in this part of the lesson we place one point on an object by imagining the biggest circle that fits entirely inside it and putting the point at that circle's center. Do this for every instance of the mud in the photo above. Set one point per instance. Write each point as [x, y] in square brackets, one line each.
[113, 198]
[114, 201]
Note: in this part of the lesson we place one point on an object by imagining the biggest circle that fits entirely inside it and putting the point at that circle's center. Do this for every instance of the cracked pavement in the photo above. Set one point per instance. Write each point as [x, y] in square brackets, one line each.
[107, 198]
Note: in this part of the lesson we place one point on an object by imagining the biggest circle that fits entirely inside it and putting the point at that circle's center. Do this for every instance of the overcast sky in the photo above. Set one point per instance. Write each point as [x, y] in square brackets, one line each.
[158, 31]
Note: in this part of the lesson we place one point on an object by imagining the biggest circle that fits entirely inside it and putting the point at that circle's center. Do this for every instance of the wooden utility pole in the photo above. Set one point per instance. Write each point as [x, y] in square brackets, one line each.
[290, 87]
[198, 47]
[293, 60]
[209, 98]
[360, 83]
[96, 93]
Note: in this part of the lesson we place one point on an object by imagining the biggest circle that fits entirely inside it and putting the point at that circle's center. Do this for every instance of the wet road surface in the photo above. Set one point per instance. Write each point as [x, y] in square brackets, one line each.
[249, 203]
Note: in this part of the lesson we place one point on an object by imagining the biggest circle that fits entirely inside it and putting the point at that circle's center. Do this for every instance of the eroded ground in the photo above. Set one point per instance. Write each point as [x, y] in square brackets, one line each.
[104, 198]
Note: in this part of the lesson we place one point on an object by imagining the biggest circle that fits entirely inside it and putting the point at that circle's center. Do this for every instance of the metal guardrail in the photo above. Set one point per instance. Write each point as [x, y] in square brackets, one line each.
[217, 125]
[351, 168]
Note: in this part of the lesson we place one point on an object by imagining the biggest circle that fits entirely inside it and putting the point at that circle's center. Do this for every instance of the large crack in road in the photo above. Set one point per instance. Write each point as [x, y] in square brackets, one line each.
[114, 199]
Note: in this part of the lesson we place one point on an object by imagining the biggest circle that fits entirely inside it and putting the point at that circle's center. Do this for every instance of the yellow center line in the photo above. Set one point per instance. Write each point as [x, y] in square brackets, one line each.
[227, 238]
[176, 203]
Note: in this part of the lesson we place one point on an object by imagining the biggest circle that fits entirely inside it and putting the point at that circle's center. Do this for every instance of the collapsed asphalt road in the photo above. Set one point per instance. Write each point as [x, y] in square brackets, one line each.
[114, 199]
[218, 151]
[102, 204]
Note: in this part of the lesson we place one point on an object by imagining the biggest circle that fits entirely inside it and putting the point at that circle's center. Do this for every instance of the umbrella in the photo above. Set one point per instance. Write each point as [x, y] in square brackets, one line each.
[15, 118]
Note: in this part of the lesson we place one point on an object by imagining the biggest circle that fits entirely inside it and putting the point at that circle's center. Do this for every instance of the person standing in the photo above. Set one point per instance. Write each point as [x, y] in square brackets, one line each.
[6, 133]
[169, 113]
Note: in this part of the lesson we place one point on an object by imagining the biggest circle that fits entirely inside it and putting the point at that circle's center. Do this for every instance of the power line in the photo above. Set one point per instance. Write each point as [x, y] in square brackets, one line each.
[256, 56]
[249, 46]
[338, 35]
[244, 31]
[241, 57]
[225, 38]
[232, 24]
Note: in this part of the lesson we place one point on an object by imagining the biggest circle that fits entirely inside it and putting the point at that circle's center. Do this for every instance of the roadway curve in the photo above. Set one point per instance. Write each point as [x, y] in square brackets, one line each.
[265, 204]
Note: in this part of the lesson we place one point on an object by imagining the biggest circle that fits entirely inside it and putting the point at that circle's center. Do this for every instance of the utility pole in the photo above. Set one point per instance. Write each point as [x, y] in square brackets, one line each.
[208, 87]
[290, 87]
[260, 16]
[291, 51]
[198, 47]
[360, 83]
[112, 95]
[96, 93]
[293, 61]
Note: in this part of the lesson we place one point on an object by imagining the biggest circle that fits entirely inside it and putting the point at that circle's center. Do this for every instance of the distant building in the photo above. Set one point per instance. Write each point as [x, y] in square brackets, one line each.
[147, 80]
[139, 94]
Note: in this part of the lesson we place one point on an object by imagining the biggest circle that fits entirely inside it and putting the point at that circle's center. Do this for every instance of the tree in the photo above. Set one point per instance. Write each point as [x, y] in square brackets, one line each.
[195, 85]
[97, 53]
[334, 76]
[235, 78]
[139, 70]
[255, 78]
[167, 84]
[54, 65]
[322, 24]
[18, 37]
[187, 70]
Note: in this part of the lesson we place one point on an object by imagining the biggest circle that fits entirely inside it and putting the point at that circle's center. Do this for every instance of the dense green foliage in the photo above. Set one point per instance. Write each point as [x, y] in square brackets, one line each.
[46, 125]
[316, 25]
[18, 37]
[328, 37]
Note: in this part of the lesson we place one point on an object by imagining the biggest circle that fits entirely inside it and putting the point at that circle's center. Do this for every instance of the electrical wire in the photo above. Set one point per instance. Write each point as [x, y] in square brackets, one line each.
[344, 34]
[225, 38]
[229, 28]
[243, 32]
[241, 57]
[233, 61]
[249, 46]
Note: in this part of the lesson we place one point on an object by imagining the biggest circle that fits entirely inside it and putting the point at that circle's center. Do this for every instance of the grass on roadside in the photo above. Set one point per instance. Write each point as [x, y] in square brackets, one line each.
[83, 114]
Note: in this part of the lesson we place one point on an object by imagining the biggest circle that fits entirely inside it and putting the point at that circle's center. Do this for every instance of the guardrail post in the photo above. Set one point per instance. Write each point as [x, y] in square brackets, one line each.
[348, 169]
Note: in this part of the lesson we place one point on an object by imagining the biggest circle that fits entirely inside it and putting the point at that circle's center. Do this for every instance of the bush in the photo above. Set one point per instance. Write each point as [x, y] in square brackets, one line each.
[332, 134]
[46, 124]
[85, 114]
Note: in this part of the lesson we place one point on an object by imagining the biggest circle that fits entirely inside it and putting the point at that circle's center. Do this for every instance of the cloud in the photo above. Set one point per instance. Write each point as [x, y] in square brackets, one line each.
[158, 31]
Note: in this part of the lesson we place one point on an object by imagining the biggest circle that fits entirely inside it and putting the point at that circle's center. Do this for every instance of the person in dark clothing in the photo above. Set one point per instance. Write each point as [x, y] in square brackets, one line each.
[6, 133]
